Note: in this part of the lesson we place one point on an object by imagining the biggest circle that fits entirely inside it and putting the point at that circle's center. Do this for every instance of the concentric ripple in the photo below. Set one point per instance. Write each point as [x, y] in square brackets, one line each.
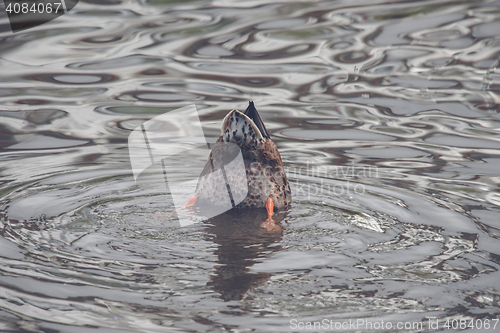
[386, 117]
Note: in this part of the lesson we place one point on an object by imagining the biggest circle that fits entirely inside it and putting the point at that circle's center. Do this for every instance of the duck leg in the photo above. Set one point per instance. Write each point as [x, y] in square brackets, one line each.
[269, 224]
[190, 202]
[270, 208]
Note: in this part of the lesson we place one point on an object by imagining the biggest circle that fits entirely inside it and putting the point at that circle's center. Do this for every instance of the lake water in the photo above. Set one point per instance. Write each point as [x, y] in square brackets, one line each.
[386, 114]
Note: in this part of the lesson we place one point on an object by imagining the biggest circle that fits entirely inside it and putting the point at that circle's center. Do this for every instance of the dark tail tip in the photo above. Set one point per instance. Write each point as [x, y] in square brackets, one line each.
[252, 113]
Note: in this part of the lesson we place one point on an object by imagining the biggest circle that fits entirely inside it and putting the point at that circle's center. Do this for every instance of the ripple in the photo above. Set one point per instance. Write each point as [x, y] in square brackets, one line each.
[280, 24]
[257, 82]
[74, 78]
[46, 142]
[439, 35]
[352, 57]
[124, 62]
[416, 82]
[385, 115]
[213, 50]
[155, 96]
[400, 32]
[31, 101]
[334, 135]
[486, 29]
[38, 117]
[460, 141]
[79, 79]
[105, 13]
[391, 152]
[122, 110]
[102, 39]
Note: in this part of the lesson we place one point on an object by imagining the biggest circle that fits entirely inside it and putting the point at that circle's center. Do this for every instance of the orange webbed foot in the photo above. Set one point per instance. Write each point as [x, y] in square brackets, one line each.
[269, 224]
[189, 203]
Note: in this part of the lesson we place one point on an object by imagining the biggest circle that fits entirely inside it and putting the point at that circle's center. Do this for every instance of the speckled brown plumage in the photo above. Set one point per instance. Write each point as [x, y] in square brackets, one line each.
[264, 171]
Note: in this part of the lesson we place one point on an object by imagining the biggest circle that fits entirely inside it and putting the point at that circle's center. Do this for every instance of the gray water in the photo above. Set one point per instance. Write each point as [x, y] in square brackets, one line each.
[386, 115]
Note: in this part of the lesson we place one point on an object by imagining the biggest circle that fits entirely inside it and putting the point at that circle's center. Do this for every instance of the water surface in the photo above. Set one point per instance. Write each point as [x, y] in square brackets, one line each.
[385, 114]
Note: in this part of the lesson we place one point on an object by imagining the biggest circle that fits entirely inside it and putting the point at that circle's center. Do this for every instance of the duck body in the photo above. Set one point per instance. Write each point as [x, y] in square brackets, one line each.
[263, 183]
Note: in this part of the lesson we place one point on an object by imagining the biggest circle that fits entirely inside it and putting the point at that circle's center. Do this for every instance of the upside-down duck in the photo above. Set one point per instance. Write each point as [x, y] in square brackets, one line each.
[266, 182]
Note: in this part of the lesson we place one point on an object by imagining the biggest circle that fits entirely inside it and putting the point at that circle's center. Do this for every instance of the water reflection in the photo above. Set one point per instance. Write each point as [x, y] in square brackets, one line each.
[241, 243]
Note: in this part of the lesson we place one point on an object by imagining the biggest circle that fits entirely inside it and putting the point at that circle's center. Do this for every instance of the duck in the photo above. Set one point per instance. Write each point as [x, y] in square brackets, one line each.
[264, 183]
